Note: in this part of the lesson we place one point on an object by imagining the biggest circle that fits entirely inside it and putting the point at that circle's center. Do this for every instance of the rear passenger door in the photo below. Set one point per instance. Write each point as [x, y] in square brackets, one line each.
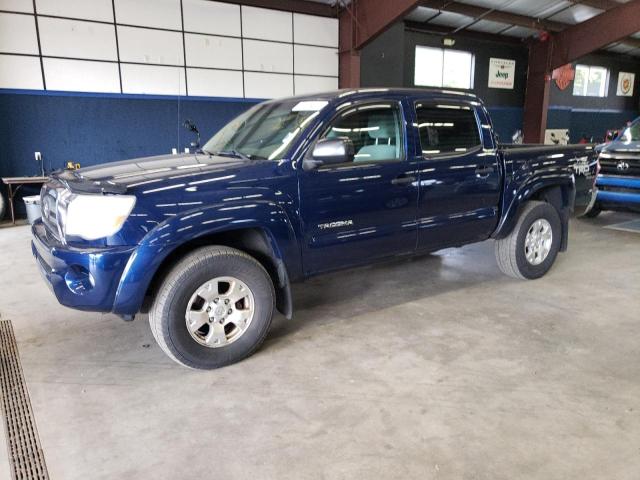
[459, 175]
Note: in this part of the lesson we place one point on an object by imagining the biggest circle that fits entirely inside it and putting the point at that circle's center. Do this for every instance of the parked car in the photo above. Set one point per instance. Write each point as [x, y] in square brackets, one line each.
[618, 183]
[209, 243]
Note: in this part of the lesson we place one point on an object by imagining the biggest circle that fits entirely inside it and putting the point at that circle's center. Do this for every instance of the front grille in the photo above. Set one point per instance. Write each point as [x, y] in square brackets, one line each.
[48, 201]
[627, 164]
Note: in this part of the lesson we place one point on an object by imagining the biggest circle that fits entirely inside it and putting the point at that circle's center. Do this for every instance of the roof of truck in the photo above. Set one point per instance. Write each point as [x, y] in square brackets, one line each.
[369, 92]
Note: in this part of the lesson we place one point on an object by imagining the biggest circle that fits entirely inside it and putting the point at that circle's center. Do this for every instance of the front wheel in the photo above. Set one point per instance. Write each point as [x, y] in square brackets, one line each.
[530, 249]
[214, 308]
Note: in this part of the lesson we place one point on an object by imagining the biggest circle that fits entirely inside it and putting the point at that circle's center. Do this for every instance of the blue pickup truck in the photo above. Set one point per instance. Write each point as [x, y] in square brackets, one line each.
[618, 184]
[208, 243]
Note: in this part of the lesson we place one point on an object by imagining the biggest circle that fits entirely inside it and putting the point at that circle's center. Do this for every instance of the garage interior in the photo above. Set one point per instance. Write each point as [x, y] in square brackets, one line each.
[437, 366]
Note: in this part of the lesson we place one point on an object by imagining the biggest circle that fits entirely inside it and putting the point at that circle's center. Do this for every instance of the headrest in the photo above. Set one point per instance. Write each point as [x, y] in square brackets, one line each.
[382, 126]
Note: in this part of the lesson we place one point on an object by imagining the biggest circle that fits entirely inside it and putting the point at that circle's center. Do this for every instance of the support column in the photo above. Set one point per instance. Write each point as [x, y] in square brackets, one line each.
[536, 100]
[349, 57]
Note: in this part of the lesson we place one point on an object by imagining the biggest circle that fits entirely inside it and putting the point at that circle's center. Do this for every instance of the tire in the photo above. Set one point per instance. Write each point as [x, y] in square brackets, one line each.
[594, 212]
[510, 251]
[3, 205]
[179, 292]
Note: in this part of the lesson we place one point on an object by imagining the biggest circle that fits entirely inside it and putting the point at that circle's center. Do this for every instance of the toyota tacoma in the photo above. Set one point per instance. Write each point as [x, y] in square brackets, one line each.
[208, 243]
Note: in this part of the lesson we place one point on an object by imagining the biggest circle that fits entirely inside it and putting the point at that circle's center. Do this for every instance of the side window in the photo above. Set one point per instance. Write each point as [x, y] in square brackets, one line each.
[446, 128]
[374, 129]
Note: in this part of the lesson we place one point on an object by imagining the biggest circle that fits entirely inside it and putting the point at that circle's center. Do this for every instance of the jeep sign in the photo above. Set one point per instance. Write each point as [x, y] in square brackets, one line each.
[501, 73]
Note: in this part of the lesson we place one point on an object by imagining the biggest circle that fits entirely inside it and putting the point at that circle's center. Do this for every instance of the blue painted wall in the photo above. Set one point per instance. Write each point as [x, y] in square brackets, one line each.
[590, 122]
[93, 128]
[506, 120]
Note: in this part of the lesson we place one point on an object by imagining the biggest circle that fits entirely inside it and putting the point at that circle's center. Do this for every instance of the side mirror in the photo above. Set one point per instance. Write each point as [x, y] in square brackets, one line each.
[329, 151]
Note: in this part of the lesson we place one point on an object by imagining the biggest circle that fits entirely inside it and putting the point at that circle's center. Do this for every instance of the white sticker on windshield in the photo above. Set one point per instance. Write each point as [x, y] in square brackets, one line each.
[310, 106]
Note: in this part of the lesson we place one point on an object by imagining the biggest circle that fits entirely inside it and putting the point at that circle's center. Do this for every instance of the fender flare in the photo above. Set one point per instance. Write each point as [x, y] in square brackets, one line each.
[177, 231]
[559, 191]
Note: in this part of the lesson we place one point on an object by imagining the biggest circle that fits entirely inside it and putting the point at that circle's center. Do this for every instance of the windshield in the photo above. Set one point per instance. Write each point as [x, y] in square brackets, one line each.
[265, 131]
[632, 132]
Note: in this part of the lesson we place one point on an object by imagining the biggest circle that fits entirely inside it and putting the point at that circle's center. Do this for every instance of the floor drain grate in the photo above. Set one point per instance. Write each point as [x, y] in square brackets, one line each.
[25, 453]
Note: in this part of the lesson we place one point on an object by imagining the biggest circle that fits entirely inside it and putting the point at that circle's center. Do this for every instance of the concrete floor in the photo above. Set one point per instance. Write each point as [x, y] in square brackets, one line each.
[433, 368]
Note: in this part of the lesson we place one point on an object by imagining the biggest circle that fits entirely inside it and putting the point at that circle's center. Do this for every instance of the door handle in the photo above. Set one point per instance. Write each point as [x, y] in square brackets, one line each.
[403, 180]
[485, 171]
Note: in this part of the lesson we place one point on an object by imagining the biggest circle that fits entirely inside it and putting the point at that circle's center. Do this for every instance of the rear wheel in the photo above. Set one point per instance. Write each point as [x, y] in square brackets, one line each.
[530, 249]
[213, 309]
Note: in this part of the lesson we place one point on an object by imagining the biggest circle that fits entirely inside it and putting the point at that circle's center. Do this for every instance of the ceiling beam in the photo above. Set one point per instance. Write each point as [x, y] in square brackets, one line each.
[297, 6]
[611, 26]
[372, 17]
[471, 34]
[601, 4]
[494, 15]
[521, 20]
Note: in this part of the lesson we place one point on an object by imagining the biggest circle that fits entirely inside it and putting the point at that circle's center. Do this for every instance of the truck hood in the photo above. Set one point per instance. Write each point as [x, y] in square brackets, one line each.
[621, 147]
[126, 176]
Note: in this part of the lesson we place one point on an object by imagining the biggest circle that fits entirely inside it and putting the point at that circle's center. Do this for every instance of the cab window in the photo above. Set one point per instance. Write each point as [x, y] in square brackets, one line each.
[446, 129]
[374, 129]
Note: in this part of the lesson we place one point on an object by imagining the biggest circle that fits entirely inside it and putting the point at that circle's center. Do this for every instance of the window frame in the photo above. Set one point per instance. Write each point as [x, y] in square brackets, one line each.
[446, 155]
[443, 50]
[605, 88]
[397, 104]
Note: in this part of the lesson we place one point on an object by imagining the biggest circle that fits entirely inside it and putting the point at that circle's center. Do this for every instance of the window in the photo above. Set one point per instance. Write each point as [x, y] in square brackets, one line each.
[591, 81]
[447, 128]
[266, 130]
[437, 67]
[632, 132]
[373, 129]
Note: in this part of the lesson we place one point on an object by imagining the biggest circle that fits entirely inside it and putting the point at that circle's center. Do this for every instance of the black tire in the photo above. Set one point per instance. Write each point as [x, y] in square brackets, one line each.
[510, 251]
[3, 205]
[167, 314]
[594, 212]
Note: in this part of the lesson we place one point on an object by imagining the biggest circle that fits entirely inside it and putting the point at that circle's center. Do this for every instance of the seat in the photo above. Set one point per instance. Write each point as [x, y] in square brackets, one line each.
[382, 129]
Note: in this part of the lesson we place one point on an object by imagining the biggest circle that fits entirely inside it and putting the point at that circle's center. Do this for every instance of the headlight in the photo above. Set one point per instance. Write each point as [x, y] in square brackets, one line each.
[93, 216]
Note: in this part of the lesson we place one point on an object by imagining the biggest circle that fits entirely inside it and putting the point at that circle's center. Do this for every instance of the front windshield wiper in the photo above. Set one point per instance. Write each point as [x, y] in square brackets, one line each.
[237, 154]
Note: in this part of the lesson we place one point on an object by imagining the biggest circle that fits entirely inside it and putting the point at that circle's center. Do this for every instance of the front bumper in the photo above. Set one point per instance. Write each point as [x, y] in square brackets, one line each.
[84, 279]
[617, 191]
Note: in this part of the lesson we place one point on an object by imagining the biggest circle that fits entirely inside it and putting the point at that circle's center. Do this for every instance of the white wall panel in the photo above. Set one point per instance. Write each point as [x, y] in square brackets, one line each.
[306, 84]
[214, 83]
[316, 60]
[81, 75]
[149, 13]
[85, 9]
[216, 52]
[74, 38]
[142, 45]
[18, 34]
[20, 72]
[151, 79]
[315, 30]
[204, 16]
[267, 85]
[17, 5]
[266, 24]
[268, 56]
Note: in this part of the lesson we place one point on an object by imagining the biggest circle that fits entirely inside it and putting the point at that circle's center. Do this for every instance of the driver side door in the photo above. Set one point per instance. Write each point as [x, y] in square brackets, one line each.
[365, 209]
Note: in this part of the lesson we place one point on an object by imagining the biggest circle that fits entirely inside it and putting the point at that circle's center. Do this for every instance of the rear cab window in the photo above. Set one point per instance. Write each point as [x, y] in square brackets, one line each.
[447, 128]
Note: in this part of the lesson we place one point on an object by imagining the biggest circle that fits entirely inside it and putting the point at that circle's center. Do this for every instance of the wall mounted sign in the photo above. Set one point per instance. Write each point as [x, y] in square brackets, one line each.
[502, 73]
[625, 84]
[564, 76]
